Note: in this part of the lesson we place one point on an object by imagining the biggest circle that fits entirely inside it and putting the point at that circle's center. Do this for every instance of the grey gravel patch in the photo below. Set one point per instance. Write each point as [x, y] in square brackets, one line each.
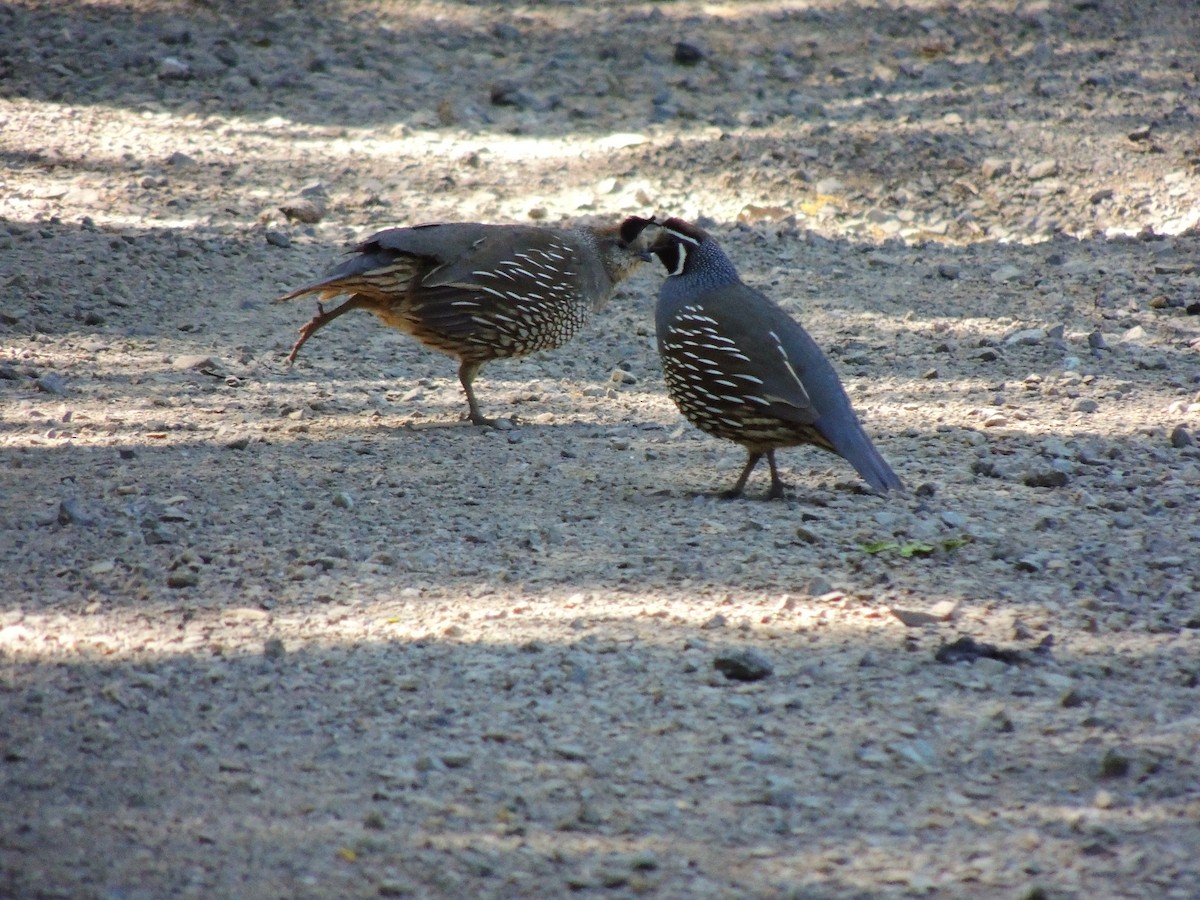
[496, 675]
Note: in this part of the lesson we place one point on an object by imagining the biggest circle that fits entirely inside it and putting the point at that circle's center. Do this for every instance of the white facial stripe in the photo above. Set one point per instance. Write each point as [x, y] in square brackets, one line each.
[682, 251]
[681, 236]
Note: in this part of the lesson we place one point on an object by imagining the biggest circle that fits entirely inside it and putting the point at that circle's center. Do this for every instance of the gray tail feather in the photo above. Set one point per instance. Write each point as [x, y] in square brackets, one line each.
[851, 442]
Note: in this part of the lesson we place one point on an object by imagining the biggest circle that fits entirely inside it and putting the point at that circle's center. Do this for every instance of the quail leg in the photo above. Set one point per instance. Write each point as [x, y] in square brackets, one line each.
[736, 491]
[777, 484]
[323, 318]
[466, 375]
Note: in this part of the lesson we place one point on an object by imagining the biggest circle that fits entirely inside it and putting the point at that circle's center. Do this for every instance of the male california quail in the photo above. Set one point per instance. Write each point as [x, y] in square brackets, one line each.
[481, 292]
[738, 367]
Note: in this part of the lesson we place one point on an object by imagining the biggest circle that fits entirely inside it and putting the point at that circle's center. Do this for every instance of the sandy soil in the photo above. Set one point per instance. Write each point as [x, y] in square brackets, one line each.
[301, 632]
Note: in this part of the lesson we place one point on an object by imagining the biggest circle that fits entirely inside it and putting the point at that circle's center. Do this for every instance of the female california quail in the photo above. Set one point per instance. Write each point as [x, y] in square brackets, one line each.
[738, 367]
[481, 292]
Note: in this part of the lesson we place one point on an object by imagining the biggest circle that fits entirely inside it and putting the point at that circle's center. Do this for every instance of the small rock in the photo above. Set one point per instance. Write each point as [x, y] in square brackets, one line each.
[994, 168]
[1096, 341]
[70, 513]
[687, 54]
[1164, 268]
[1181, 437]
[52, 384]
[807, 535]
[949, 271]
[1141, 133]
[1045, 168]
[1104, 800]
[915, 618]
[278, 239]
[1028, 564]
[572, 752]
[172, 69]
[987, 354]
[620, 376]
[180, 159]
[1046, 478]
[967, 649]
[209, 365]
[305, 209]
[1085, 405]
[343, 500]
[1006, 273]
[182, 578]
[1026, 337]
[818, 586]
[273, 648]
[744, 665]
[1134, 334]
[1115, 764]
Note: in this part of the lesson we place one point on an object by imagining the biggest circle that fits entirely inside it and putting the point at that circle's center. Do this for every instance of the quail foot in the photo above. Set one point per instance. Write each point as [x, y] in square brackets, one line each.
[481, 292]
[740, 368]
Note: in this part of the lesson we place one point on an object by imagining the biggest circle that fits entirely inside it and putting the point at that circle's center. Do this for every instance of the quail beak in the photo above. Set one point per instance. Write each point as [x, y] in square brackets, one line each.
[647, 233]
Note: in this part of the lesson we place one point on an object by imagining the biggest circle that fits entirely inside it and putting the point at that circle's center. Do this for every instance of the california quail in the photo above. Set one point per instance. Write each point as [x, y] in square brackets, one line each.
[738, 367]
[481, 292]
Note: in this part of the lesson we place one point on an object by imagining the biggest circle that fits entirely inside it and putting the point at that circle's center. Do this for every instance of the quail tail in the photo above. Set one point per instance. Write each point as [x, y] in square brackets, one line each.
[851, 442]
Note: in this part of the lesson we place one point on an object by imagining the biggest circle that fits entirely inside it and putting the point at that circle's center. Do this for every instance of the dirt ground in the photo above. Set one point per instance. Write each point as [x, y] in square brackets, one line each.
[303, 633]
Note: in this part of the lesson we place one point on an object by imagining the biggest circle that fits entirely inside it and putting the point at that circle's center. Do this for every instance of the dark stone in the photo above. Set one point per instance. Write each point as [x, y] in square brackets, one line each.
[967, 649]
[687, 54]
[743, 665]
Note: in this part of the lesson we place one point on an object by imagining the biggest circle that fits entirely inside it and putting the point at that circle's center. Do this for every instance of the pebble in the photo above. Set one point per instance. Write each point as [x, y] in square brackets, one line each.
[182, 578]
[278, 238]
[1026, 337]
[995, 168]
[304, 209]
[172, 69]
[1096, 341]
[343, 500]
[455, 759]
[1045, 168]
[1006, 273]
[687, 54]
[209, 365]
[953, 519]
[1181, 437]
[746, 664]
[1085, 405]
[621, 376]
[71, 513]
[52, 384]
[1046, 478]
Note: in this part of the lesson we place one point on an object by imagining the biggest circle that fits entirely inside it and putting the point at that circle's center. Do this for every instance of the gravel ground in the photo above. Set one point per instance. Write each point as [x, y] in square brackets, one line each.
[272, 632]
